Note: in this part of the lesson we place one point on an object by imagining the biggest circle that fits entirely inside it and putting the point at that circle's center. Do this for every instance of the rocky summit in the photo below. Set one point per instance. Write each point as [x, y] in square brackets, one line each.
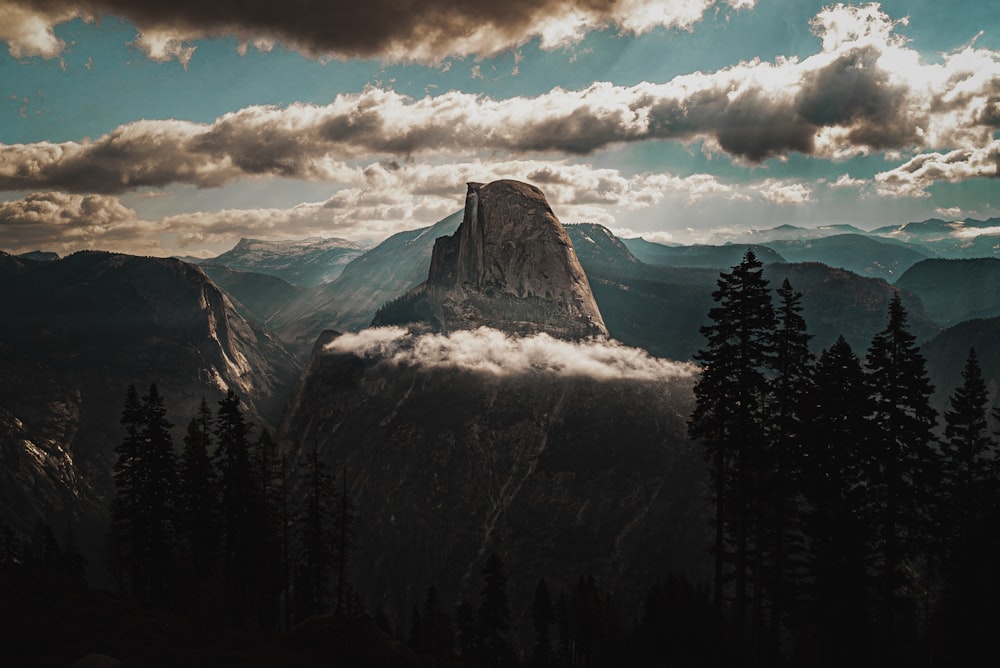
[510, 266]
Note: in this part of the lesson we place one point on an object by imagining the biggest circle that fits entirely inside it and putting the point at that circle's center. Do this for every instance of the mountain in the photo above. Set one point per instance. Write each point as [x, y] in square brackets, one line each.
[712, 257]
[956, 290]
[947, 352]
[258, 297]
[509, 266]
[76, 333]
[861, 254]
[599, 250]
[302, 262]
[40, 256]
[782, 233]
[660, 309]
[562, 475]
[839, 302]
[969, 238]
[349, 303]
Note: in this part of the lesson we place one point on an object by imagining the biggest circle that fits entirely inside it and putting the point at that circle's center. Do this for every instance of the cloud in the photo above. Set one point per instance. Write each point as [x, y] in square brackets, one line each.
[658, 236]
[785, 192]
[963, 232]
[27, 29]
[912, 178]
[426, 31]
[372, 202]
[845, 181]
[67, 222]
[865, 91]
[953, 212]
[492, 352]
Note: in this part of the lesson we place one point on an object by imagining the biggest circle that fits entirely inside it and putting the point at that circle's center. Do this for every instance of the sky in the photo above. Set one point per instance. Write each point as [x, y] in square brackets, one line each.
[177, 128]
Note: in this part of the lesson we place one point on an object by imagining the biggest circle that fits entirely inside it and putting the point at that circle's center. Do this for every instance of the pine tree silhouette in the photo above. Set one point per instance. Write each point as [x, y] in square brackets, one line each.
[198, 501]
[542, 617]
[730, 419]
[238, 490]
[833, 474]
[159, 491]
[493, 615]
[790, 385]
[316, 538]
[967, 518]
[901, 485]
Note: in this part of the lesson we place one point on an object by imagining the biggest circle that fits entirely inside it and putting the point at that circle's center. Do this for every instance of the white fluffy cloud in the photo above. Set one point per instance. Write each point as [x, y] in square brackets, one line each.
[912, 178]
[426, 31]
[67, 222]
[493, 352]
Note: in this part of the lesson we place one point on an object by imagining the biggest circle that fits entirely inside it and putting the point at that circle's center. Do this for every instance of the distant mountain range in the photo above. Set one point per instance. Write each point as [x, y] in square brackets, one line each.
[303, 262]
[968, 238]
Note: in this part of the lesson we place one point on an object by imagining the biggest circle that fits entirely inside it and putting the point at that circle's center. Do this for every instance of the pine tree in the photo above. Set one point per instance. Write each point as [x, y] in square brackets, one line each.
[790, 385]
[343, 543]
[126, 536]
[542, 616]
[969, 455]
[833, 473]
[901, 484]
[316, 538]
[493, 615]
[268, 530]
[729, 418]
[468, 637]
[238, 490]
[159, 490]
[967, 520]
[437, 637]
[198, 497]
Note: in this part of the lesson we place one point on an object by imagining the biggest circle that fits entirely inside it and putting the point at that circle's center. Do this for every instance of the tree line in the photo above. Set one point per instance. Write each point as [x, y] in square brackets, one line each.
[847, 528]
[213, 529]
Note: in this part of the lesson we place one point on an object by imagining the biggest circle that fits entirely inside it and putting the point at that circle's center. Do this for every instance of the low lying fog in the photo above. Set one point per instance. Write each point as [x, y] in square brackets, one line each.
[491, 351]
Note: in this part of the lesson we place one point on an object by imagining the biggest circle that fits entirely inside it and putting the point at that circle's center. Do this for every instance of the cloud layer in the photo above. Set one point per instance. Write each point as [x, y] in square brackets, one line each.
[493, 352]
[864, 92]
[425, 30]
[376, 201]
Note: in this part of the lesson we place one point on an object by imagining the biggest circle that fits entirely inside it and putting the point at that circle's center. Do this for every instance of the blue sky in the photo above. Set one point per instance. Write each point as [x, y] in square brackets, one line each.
[177, 130]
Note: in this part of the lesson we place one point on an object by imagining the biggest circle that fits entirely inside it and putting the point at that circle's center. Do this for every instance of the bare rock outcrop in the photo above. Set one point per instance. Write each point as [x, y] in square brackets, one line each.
[511, 266]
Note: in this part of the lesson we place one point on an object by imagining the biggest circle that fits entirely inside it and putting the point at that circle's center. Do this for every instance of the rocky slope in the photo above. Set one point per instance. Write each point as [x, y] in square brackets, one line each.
[561, 475]
[258, 297]
[76, 333]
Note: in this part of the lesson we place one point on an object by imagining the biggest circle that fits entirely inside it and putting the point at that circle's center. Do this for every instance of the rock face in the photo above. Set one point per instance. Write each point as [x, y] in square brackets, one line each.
[511, 266]
[75, 333]
[561, 476]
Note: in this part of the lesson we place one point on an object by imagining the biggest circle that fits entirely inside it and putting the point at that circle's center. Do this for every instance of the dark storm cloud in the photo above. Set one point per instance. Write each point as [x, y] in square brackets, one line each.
[426, 30]
[856, 93]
